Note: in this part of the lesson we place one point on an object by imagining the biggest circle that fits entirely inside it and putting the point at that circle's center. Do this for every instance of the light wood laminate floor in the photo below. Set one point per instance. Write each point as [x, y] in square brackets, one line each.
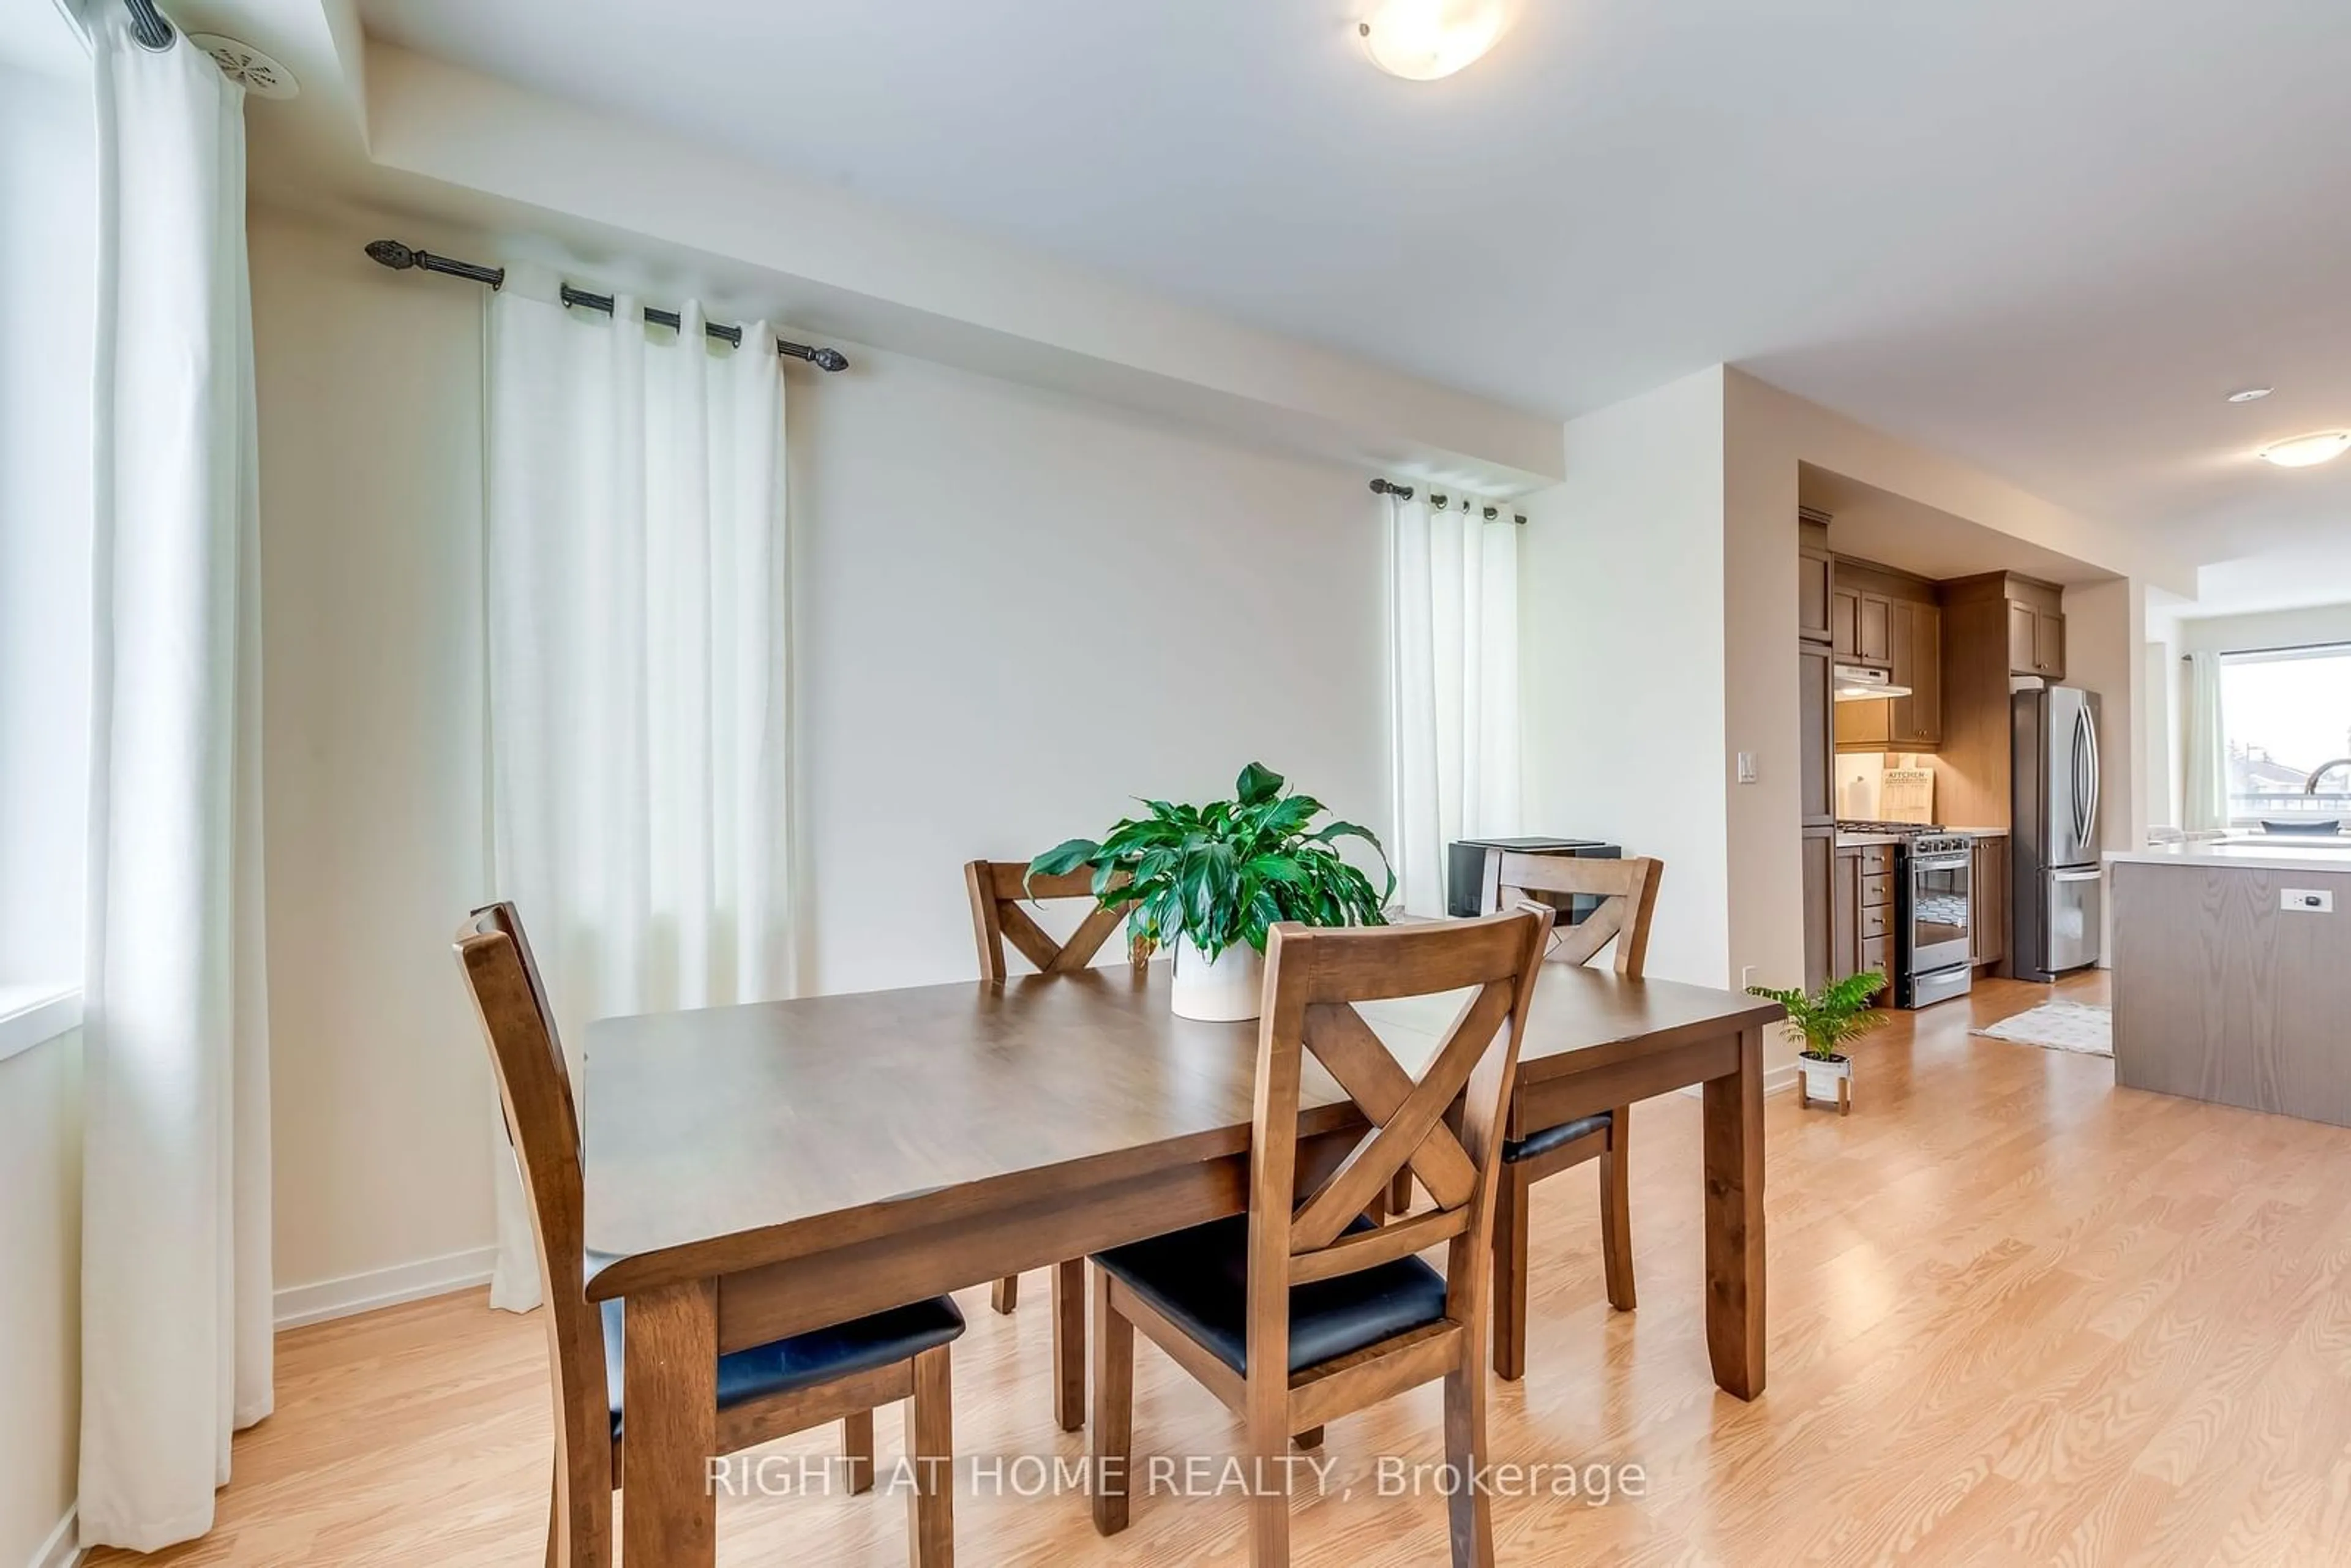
[2017, 1316]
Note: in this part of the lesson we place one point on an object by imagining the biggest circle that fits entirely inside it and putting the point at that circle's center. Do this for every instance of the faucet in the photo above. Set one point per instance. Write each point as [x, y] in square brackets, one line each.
[2321, 770]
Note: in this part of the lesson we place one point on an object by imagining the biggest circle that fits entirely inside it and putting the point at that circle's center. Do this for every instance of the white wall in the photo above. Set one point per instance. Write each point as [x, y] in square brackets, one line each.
[371, 523]
[48, 217]
[40, 1293]
[1621, 626]
[2272, 629]
[2105, 652]
[1013, 612]
[1017, 612]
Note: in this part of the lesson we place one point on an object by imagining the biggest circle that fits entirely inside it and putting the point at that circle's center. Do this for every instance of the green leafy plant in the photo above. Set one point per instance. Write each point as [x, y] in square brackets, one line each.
[1827, 1021]
[1223, 872]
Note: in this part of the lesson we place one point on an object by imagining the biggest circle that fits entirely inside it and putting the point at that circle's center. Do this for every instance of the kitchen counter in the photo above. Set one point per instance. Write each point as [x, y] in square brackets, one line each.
[2232, 975]
[2280, 852]
[1854, 840]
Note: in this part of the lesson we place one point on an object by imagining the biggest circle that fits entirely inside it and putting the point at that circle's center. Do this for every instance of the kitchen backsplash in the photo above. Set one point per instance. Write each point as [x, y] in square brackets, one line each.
[1858, 777]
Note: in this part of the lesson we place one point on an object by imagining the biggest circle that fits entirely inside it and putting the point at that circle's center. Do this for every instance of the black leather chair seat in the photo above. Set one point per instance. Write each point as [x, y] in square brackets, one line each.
[1198, 1280]
[806, 1360]
[1550, 1138]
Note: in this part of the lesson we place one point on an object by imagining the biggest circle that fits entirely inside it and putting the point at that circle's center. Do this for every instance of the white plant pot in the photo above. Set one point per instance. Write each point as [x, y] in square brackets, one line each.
[1830, 1082]
[1227, 989]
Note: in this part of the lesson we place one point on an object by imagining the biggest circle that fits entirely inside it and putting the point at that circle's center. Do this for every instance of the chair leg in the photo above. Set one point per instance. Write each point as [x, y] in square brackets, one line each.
[1114, 1438]
[857, 1450]
[1309, 1438]
[930, 1448]
[1616, 1213]
[1006, 1295]
[1070, 1343]
[1510, 1273]
[1469, 1510]
[1400, 1192]
[1268, 1503]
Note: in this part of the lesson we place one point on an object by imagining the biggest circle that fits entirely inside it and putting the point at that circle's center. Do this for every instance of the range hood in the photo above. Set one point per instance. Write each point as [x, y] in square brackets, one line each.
[1859, 684]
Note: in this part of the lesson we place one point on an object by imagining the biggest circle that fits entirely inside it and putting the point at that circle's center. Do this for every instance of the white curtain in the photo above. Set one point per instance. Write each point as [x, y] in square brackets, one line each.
[637, 681]
[1453, 642]
[175, 1205]
[2205, 748]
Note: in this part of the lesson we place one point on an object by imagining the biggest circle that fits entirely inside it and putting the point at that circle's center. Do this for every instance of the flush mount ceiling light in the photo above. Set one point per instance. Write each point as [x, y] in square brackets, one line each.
[2251, 394]
[1421, 40]
[2304, 451]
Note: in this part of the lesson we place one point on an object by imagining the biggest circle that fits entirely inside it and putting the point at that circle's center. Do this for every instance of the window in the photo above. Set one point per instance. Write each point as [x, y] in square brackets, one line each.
[2287, 713]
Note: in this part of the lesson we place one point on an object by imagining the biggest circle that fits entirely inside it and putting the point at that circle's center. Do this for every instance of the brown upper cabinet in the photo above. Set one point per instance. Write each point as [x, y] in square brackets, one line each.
[1889, 620]
[1813, 570]
[2036, 622]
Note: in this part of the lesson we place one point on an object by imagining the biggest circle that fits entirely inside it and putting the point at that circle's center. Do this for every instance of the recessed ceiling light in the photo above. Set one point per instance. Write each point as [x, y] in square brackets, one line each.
[2251, 394]
[2303, 451]
[1421, 40]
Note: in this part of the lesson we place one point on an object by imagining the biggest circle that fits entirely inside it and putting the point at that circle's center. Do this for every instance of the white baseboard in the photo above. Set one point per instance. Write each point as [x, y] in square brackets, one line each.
[299, 1304]
[59, 1551]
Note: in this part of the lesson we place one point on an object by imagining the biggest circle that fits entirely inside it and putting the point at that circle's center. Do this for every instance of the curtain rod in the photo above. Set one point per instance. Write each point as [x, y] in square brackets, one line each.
[147, 25]
[391, 252]
[2286, 648]
[1441, 500]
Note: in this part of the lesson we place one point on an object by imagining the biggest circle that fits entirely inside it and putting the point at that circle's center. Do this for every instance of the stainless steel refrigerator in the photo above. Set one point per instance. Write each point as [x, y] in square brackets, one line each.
[2056, 918]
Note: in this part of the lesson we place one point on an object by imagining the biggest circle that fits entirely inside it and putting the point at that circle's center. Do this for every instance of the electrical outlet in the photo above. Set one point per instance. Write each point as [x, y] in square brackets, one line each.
[1746, 976]
[1746, 767]
[2306, 900]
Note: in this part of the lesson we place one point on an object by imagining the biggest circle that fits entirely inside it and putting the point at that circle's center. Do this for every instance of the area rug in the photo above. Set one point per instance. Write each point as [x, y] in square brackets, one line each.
[2059, 1026]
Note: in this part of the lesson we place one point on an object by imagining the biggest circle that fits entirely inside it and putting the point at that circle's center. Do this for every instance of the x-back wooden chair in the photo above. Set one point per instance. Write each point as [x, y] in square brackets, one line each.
[765, 1392]
[1627, 892]
[999, 889]
[1309, 1307]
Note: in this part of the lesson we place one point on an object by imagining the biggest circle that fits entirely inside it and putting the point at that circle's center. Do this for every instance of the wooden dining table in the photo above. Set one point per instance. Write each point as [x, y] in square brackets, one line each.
[758, 1171]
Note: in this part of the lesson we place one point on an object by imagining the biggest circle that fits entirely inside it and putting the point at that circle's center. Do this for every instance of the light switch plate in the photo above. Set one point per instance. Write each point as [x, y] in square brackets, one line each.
[1746, 767]
[2306, 900]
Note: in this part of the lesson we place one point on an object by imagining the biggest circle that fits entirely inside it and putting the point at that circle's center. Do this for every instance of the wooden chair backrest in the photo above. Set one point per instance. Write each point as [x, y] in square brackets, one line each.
[1315, 976]
[999, 888]
[1628, 890]
[534, 1086]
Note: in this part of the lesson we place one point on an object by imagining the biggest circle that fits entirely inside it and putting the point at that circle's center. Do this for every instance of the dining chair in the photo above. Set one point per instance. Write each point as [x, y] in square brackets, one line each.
[765, 1392]
[1627, 895]
[997, 889]
[1308, 1308]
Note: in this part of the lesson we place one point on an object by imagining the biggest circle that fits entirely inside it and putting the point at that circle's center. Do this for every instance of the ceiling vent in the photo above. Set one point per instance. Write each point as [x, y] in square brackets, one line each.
[247, 66]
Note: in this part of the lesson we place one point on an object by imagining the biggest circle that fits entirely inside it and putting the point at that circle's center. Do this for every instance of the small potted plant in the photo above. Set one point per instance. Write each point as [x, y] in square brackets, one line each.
[1823, 1023]
[1206, 881]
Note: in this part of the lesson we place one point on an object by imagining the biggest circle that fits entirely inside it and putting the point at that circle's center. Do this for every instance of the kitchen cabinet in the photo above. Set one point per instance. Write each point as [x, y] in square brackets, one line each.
[1861, 910]
[1914, 723]
[1987, 904]
[1817, 706]
[1815, 577]
[1820, 904]
[1860, 627]
[2036, 632]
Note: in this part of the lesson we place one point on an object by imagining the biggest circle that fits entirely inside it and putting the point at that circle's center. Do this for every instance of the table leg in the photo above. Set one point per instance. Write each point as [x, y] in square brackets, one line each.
[1734, 1221]
[1070, 1343]
[669, 1513]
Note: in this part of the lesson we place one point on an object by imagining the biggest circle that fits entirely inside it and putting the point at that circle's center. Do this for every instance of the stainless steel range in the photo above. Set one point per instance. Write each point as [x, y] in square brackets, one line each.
[1934, 914]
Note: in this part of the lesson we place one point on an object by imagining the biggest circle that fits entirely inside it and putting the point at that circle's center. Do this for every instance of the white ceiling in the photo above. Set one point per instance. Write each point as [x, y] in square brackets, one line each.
[2042, 236]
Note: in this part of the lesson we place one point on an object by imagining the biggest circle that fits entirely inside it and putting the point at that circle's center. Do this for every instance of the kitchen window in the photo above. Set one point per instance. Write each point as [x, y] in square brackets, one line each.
[2287, 711]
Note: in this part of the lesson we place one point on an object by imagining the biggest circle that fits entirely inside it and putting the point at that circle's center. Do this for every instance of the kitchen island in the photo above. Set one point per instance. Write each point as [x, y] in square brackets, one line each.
[2232, 973]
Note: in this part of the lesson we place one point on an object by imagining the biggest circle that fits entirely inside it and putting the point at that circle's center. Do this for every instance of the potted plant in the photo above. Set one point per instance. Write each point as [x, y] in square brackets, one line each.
[1823, 1023]
[1206, 881]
